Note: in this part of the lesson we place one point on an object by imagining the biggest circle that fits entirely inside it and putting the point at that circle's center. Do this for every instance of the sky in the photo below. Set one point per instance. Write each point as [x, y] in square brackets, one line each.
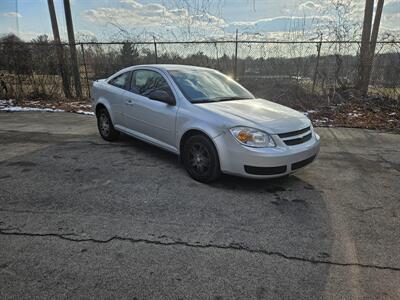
[142, 20]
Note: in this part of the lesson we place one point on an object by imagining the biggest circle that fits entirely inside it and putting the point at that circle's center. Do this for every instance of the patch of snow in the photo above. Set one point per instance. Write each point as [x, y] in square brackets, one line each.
[392, 114]
[323, 121]
[311, 111]
[355, 115]
[89, 113]
[6, 103]
[20, 109]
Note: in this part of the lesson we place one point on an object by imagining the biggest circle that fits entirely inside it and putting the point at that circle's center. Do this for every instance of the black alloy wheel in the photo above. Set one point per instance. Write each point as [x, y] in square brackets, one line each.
[201, 159]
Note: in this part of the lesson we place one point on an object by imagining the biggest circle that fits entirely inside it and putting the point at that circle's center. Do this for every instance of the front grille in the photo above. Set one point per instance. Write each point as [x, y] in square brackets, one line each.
[298, 140]
[302, 163]
[294, 137]
[293, 133]
[265, 170]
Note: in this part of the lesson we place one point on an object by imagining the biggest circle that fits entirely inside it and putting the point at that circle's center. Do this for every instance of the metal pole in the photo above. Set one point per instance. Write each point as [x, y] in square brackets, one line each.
[86, 73]
[235, 71]
[71, 38]
[319, 45]
[155, 49]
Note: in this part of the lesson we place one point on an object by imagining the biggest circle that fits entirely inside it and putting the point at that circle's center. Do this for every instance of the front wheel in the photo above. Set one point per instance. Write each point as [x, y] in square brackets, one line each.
[200, 159]
[105, 126]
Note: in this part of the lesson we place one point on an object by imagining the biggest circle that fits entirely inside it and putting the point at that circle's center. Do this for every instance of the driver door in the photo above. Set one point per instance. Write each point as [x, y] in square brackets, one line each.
[153, 119]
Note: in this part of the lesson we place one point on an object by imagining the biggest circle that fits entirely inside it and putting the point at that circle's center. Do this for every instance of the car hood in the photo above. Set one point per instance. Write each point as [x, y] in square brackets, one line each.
[259, 113]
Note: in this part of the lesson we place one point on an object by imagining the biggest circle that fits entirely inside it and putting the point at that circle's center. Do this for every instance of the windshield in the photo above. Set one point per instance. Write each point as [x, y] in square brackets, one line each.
[202, 86]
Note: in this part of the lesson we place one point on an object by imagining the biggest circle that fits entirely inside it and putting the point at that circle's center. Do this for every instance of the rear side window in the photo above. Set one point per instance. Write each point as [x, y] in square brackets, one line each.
[146, 81]
[121, 81]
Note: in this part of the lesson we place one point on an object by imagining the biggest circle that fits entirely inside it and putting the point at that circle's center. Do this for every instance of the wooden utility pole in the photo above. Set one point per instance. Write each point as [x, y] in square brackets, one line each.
[374, 37]
[235, 70]
[364, 50]
[319, 45]
[71, 39]
[59, 49]
[368, 43]
[155, 49]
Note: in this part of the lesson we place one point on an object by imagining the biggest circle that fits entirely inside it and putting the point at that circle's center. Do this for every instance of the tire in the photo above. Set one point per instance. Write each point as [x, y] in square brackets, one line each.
[105, 126]
[200, 159]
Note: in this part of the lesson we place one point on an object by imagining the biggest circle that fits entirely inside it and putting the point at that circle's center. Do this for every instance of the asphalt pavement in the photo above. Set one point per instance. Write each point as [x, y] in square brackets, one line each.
[85, 218]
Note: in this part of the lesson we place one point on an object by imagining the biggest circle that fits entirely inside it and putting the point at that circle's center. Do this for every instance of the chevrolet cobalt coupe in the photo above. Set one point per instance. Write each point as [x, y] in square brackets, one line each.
[213, 123]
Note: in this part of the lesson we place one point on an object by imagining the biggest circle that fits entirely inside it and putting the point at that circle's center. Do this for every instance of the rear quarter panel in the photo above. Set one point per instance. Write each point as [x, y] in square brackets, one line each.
[103, 94]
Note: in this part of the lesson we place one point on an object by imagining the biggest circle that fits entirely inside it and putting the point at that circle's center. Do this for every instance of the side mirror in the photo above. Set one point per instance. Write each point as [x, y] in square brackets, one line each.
[162, 96]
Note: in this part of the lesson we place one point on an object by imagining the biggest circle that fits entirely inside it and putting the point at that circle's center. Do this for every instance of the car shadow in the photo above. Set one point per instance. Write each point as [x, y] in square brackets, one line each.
[226, 181]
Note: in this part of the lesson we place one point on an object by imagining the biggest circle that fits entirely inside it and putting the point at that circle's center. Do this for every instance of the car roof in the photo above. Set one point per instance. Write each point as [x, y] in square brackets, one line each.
[169, 67]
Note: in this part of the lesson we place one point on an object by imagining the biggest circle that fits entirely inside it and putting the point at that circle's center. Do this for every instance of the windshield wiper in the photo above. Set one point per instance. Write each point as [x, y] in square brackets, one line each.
[229, 98]
[202, 101]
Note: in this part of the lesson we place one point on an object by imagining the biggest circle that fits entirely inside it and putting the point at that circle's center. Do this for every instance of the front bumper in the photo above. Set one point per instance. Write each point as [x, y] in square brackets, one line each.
[281, 160]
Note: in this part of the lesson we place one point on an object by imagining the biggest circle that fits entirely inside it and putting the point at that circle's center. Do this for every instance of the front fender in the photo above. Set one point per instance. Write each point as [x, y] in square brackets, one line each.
[208, 126]
[204, 128]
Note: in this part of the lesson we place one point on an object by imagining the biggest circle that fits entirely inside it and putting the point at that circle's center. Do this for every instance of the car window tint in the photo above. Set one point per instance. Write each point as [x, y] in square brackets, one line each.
[120, 81]
[146, 81]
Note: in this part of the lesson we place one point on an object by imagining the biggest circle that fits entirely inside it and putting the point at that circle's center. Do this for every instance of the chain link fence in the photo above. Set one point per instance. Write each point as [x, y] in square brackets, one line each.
[268, 69]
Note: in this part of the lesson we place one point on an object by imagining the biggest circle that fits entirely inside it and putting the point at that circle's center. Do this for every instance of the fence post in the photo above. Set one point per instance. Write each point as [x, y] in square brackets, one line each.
[235, 71]
[319, 45]
[155, 49]
[86, 73]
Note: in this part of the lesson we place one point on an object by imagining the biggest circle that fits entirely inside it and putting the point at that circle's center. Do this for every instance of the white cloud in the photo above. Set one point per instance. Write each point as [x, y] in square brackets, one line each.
[390, 22]
[142, 21]
[309, 5]
[12, 14]
[279, 24]
[391, 7]
[135, 16]
[152, 14]
[23, 35]
[85, 36]
[132, 3]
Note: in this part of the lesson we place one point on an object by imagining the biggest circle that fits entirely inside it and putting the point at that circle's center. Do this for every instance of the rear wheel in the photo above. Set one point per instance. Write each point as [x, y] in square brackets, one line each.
[200, 159]
[105, 126]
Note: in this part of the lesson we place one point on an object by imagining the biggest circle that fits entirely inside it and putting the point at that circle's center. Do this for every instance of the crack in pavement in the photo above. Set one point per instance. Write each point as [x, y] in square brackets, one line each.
[367, 209]
[234, 247]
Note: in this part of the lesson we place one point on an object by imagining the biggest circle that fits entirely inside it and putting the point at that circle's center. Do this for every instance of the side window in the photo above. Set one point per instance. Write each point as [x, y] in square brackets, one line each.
[145, 81]
[121, 81]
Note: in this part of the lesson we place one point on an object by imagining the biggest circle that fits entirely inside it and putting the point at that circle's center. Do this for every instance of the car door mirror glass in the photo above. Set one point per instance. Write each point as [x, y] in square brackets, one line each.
[162, 96]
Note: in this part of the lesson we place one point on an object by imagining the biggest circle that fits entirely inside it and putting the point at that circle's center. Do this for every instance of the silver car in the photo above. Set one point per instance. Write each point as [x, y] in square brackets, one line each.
[213, 123]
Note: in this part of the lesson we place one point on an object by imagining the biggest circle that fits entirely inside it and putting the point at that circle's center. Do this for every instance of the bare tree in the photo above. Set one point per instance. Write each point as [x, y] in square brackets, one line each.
[342, 27]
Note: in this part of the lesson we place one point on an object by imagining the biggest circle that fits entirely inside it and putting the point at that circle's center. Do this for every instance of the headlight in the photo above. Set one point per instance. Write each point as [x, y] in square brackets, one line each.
[252, 137]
